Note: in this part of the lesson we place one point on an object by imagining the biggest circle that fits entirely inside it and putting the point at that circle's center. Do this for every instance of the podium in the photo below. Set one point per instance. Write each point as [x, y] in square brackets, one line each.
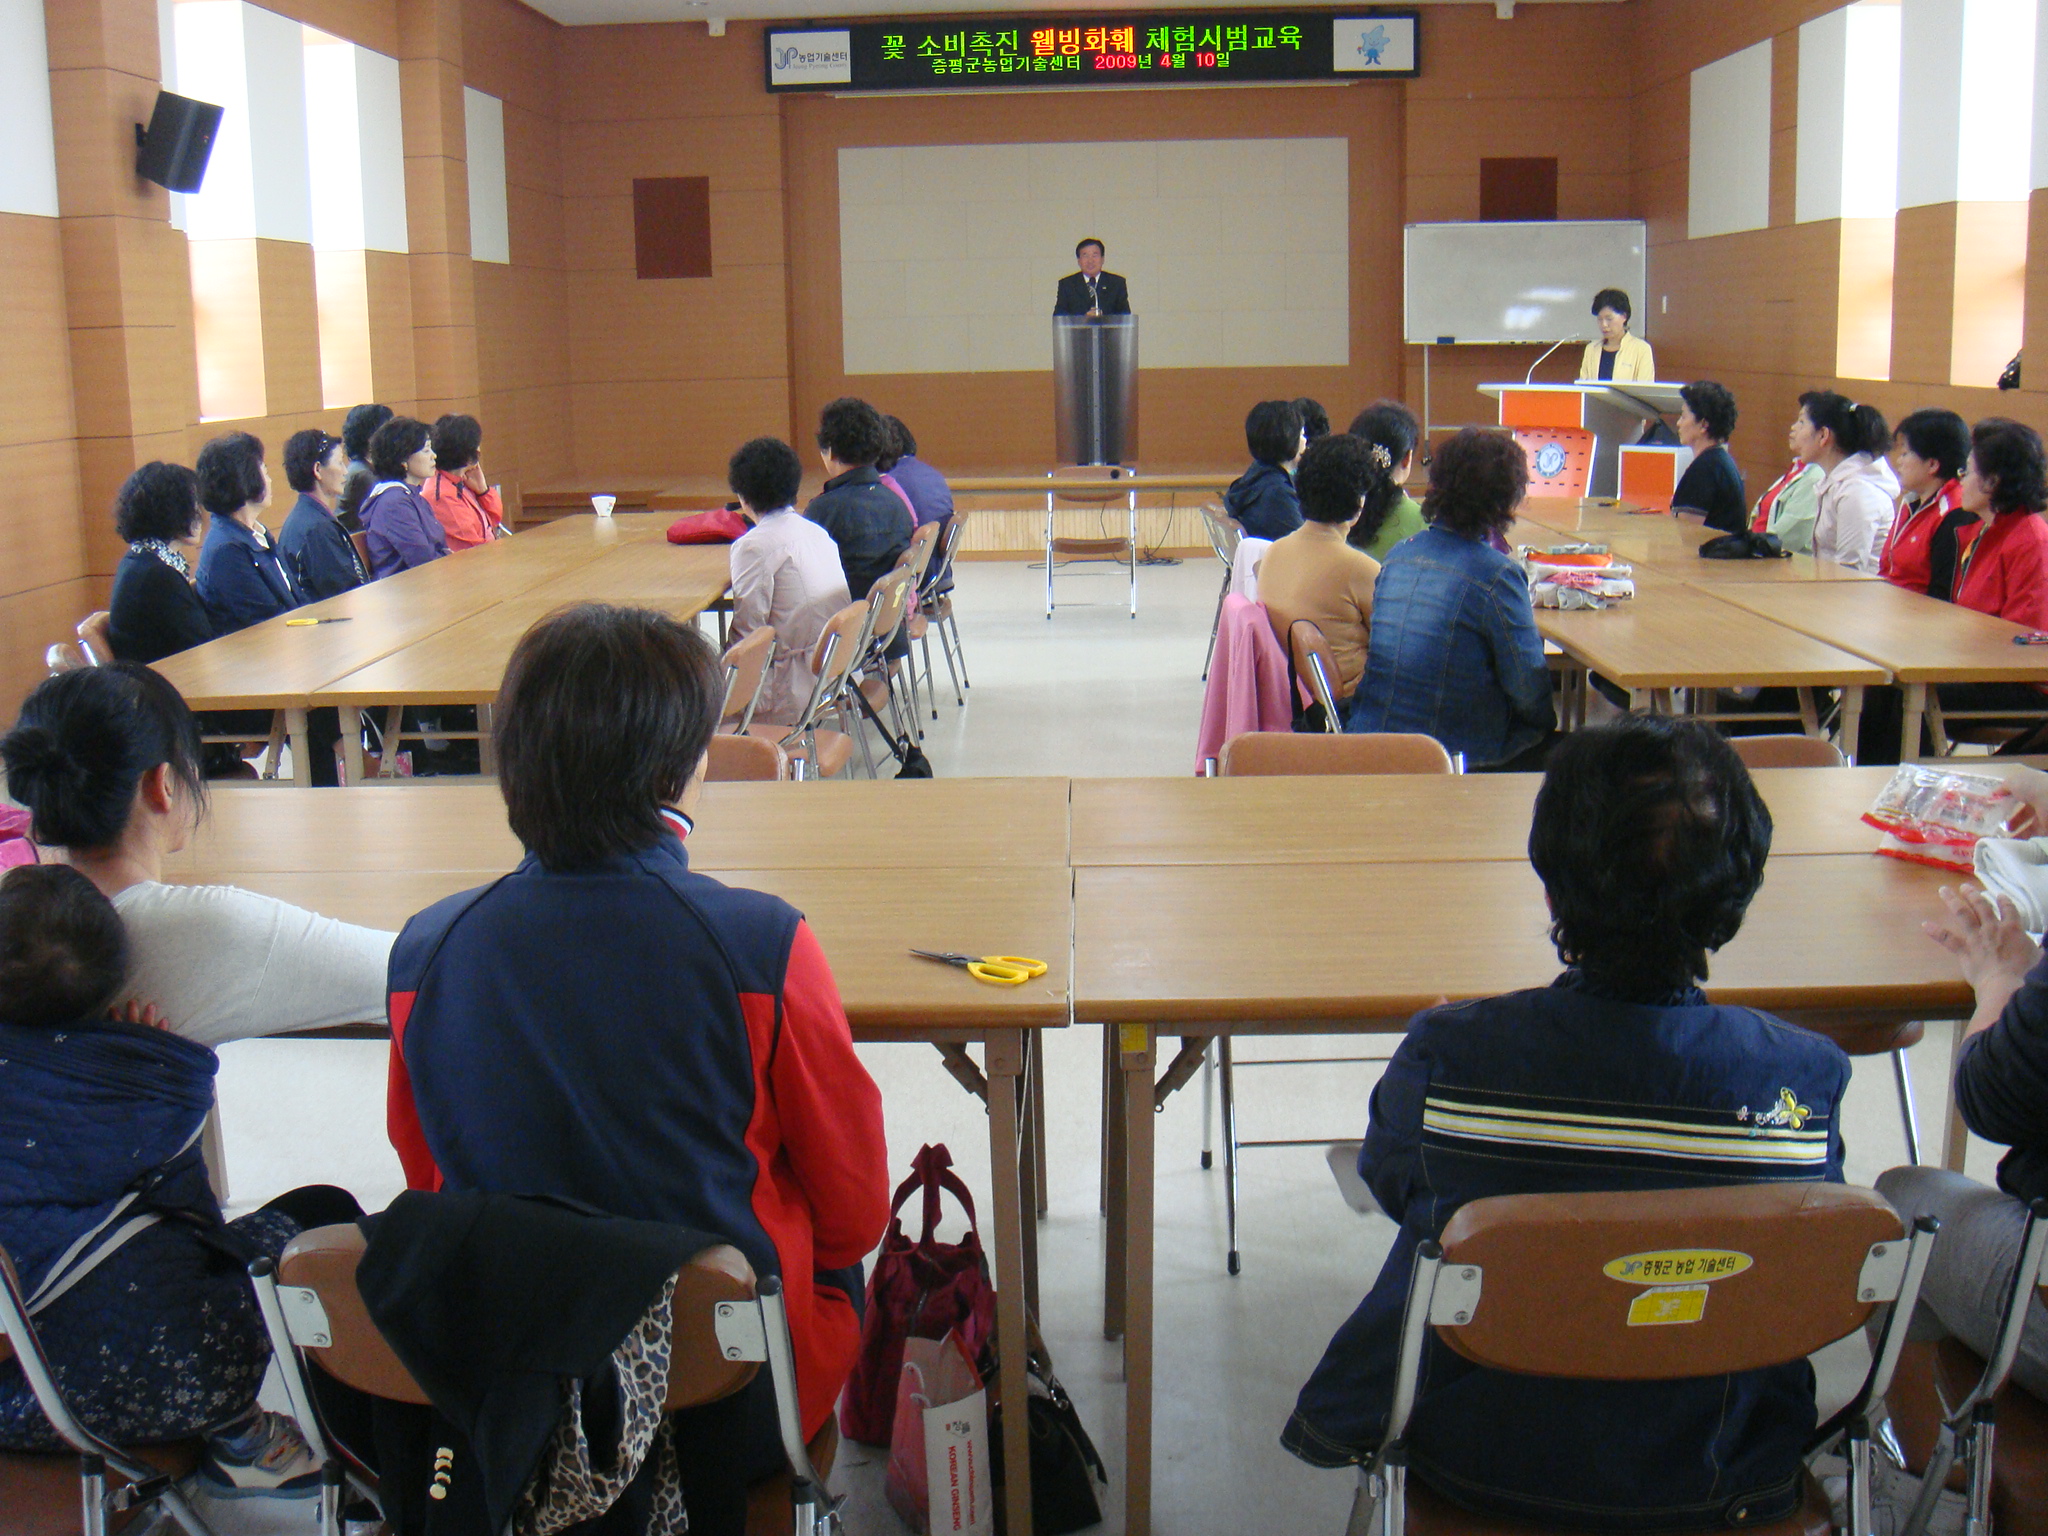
[1574, 433]
[1095, 388]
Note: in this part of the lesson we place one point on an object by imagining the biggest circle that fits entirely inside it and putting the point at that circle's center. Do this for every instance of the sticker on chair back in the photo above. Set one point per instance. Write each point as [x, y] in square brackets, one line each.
[1668, 1265]
[1668, 1304]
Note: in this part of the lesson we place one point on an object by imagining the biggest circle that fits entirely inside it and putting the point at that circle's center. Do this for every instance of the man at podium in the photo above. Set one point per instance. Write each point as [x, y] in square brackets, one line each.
[1091, 291]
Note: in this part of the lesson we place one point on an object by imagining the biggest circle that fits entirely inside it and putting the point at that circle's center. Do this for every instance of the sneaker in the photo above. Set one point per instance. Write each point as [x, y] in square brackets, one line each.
[269, 1460]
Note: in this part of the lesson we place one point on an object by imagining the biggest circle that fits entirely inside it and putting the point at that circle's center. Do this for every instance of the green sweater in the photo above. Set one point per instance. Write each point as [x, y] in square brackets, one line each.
[1403, 522]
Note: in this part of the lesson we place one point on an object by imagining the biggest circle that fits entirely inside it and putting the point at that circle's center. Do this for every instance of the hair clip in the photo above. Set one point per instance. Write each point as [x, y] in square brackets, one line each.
[1380, 456]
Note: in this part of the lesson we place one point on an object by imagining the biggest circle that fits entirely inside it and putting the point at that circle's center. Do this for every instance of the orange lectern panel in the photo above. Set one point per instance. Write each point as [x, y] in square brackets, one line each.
[1649, 475]
[1560, 460]
[1542, 408]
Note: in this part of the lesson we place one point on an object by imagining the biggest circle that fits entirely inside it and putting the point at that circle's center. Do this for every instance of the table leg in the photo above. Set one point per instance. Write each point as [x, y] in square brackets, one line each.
[1909, 727]
[302, 748]
[352, 741]
[1116, 1196]
[387, 762]
[1038, 1114]
[1955, 1141]
[1852, 720]
[1030, 1179]
[1004, 1060]
[1135, 1051]
[486, 747]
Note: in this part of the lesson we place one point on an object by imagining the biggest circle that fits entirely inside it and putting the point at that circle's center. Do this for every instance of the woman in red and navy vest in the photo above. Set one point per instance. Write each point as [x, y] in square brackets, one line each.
[607, 1026]
[1932, 528]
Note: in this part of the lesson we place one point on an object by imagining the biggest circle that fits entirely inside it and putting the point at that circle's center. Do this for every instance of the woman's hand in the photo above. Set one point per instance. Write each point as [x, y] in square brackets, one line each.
[139, 1012]
[473, 477]
[2031, 785]
[1991, 948]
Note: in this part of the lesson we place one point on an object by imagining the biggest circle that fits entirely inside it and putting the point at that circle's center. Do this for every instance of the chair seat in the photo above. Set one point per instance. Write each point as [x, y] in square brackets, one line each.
[1429, 1514]
[835, 748]
[39, 1492]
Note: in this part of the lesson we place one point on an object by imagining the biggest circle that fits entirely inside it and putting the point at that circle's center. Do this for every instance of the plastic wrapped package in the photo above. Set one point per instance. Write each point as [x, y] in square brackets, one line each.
[1937, 816]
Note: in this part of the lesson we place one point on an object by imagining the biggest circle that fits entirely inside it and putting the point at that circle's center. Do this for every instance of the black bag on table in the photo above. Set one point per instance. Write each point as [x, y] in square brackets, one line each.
[1747, 545]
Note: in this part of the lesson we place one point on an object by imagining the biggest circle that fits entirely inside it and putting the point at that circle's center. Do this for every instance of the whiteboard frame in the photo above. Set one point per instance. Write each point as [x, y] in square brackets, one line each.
[1639, 277]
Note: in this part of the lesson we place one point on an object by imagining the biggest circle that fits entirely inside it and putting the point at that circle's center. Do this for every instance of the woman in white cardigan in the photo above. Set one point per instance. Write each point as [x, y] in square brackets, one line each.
[1858, 491]
[1616, 355]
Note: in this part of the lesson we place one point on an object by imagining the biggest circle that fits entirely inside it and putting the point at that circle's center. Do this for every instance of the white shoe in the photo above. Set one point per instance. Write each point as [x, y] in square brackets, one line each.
[272, 1460]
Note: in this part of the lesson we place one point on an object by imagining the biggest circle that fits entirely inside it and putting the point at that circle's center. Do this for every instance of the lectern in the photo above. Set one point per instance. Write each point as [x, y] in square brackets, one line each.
[1574, 433]
[1095, 388]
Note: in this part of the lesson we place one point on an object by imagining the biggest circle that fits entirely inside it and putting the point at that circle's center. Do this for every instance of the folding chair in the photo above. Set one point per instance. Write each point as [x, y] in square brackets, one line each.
[96, 635]
[815, 751]
[96, 643]
[1821, 1258]
[874, 682]
[1316, 669]
[56, 1495]
[744, 759]
[1224, 533]
[361, 540]
[1091, 485]
[918, 559]
[1265, 754]
[746, 674]
[63, 657]
[1816, 752]
[935, 612]
[2005, 1476]
[725, 1326]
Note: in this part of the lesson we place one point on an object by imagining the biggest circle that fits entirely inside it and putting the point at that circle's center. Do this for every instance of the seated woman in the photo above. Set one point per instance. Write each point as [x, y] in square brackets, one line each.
[1453, 651]
[1858, 491]
[1712, 484]
[357, 428]
[155, 610]
[242, 578]
[1788, 505]
[106, 760]
[785, 573]
[1314, 573]
[1616, 355]
[403, 531]
[152, 1332]
[1931, 529]
[2005, 570]
[470, 510]
[315, 546]
[1393, 426]
[1650, 841]
[605, 1025]
[1262, 499]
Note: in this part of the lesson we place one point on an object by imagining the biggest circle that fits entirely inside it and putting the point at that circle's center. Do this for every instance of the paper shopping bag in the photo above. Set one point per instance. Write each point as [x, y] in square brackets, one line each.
[939, 1451]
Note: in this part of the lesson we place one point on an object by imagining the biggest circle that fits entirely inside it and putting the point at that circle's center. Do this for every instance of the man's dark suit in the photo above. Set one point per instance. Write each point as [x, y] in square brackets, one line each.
[1112, 298]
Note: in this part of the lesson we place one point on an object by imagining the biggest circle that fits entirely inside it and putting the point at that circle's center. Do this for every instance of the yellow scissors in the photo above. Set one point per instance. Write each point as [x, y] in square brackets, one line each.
[996, 970]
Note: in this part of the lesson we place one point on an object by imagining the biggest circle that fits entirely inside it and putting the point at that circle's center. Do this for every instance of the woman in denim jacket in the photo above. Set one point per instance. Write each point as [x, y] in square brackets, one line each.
[1620, 1075]
[1454, 651]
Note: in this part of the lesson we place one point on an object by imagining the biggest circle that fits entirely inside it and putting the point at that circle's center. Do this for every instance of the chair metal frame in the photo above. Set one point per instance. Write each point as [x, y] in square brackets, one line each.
[147, 1488]
[1067, 488]
[1969, 1430]
[1225, 534]
[918, 557]
[748, 1331]
[829, 692]
[1445, 1295]
[732, 673]
[1320, 688]
[935, 600]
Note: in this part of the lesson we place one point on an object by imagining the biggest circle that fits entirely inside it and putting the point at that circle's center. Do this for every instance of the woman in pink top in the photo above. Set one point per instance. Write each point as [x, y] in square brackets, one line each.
[469, 509]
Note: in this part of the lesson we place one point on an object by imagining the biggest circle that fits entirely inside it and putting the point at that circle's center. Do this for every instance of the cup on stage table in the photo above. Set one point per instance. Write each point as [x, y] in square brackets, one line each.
[602, 505]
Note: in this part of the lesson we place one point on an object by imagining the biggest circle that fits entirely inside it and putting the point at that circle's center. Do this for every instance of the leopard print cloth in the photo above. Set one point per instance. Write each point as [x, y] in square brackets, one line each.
[571, 1486]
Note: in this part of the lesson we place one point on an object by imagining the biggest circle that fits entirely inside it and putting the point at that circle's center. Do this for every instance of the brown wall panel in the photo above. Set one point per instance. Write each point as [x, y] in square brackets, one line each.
[389, 279]
[94, 113]
[737, 153]
[629, 74]
[38, 514]
[1923, 292]
[686, 427]
[35, 377]
[371, 23]
[1784, 128]
[2036, 367]
[291, 327]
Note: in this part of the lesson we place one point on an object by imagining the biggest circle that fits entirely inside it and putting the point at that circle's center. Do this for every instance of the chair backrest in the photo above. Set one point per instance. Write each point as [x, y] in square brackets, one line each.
[839, 646]
[1309, 649]
[1650, 1285]
[918, 557]
[1245, 561]
[96, 634]
[1224, 531]
[323, 1260]
[1786, 752]
[746, 672]
[64, 657]
[361, 539]
[1272, 753]
[1092, 485]
[941, 566]
[888, 604]
[740, 759]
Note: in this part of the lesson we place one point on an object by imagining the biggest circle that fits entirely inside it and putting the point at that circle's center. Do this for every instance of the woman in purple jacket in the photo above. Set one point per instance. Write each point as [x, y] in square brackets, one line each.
[399, 520]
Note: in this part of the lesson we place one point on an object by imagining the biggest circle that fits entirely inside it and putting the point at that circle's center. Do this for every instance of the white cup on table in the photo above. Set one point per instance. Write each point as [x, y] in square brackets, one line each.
[602, 505]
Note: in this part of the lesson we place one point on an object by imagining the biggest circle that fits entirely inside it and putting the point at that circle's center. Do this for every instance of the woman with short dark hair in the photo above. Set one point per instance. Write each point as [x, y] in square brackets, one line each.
[1650, 841]
[1858, 492]
[320, 554]
[242, 578]
[357, 429]
[1262, 499]
[870, 523]
[1616, 355]
[2005, 570]
[1313, 573]
[155, 611]
[403, 531]
[1712, 483]
[785, 574]
[1931, 528]
[608, 1026]
[470, 510]
[1454, 652]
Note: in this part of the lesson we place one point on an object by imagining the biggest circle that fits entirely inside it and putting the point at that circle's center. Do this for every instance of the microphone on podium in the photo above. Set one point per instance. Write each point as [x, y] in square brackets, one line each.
[1530, 376]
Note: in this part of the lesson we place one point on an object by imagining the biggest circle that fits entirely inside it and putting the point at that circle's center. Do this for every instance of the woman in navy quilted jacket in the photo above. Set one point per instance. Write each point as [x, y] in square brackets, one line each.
[135, 1284]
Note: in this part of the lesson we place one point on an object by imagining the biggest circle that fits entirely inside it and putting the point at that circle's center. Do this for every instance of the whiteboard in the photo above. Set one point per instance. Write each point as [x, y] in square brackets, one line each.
[1529, 282]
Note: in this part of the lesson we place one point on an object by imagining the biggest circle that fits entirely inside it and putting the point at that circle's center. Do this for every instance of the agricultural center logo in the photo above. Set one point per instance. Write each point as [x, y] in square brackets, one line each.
[1550, 461]
[810, 58]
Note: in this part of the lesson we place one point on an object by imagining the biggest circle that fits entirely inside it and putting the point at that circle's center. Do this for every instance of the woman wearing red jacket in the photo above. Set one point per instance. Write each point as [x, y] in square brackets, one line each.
[2005, 571]
[1931, 530]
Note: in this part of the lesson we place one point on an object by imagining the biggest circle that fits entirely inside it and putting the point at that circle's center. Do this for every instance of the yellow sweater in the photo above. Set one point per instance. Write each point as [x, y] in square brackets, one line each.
[1632, 360]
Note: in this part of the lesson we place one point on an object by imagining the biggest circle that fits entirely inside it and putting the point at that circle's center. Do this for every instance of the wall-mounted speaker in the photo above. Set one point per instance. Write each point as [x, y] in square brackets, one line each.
[174, 149]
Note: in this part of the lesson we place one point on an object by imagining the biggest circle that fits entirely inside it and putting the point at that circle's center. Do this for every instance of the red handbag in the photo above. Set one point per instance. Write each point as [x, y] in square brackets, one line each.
[722, 525]
[924, 1290]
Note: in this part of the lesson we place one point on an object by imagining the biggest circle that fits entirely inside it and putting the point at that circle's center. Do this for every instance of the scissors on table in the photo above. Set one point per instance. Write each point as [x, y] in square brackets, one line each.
[996, 970]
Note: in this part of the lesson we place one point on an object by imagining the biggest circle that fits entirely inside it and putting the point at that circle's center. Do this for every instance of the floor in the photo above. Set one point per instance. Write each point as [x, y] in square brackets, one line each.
[1091, 692]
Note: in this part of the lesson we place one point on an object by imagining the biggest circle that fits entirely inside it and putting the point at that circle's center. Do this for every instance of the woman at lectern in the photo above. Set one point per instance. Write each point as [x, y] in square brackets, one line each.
[1616, 355]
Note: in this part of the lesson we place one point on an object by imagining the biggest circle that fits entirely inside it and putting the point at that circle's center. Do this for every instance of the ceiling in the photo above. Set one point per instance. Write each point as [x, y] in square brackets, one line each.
[582, 13]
